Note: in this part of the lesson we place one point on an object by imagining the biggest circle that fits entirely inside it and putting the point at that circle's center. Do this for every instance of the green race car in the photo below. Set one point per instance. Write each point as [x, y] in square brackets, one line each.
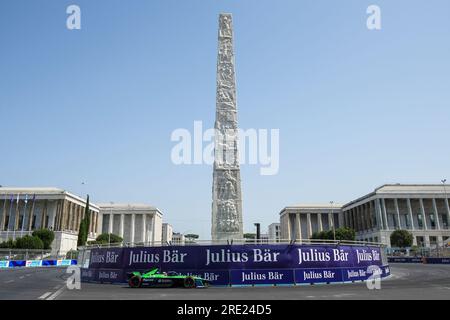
[155, 278]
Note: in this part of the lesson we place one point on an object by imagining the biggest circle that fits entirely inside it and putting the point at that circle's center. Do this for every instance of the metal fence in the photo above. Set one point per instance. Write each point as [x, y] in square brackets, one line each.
[29, 254]
[232, 242]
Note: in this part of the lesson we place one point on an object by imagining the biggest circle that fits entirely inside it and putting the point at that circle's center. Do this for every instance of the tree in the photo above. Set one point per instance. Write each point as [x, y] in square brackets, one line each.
[29, 242]
[345, 234]
[249, 235]
[192, 237]
[105, 238]
[9, 244]
[81, 232]
[84, 226]
[341, 234]
[47, 236]
[401, 239]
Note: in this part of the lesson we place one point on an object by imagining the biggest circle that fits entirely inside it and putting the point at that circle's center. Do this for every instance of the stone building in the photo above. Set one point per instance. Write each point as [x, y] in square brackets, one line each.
[135, 223]
[419, 208]
[302, 220]
[167, 233]
[23, 210]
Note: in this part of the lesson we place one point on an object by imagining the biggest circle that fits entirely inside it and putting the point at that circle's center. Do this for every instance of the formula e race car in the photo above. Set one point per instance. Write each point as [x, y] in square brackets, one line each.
[155, 278]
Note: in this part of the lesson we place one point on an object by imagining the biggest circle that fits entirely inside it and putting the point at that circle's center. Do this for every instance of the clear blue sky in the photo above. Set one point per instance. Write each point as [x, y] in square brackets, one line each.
[355, 108]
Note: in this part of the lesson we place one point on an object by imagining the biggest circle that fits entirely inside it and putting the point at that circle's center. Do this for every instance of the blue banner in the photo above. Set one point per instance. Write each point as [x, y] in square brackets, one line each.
[240, 264]
[236, 257]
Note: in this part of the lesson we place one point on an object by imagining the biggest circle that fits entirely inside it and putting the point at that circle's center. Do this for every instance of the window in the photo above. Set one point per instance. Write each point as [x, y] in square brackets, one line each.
[420, 241]
[6, 222]
[444, 221]
[420, 220]
[432, 221]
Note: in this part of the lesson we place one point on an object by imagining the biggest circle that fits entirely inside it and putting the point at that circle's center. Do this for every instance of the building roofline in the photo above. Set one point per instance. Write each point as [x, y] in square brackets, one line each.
[44, 191]
[379, 189]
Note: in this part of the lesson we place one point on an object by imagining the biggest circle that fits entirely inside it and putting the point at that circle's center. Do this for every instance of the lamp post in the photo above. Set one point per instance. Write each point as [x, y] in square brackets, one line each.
[332, 219]
[445, 196]
[258, 231]
[111, 222]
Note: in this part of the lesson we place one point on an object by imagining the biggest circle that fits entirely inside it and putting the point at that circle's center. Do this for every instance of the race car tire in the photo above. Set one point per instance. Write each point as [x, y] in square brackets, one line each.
[189, 283]
[135, 282]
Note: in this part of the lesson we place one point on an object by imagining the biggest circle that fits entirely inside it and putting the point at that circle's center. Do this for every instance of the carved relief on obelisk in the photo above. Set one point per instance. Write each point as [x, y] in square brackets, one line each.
[227, 202]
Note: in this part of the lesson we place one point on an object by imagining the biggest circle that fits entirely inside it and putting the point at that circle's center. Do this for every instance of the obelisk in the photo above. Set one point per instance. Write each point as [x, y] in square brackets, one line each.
[227, 202]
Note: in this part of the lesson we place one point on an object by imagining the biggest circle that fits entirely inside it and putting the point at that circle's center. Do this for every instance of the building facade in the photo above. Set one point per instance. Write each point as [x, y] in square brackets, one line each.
[421, 209]
[178, 238]
[167, 233]
[274, 232]
[301, 221]
[23, 210]
[135, 223]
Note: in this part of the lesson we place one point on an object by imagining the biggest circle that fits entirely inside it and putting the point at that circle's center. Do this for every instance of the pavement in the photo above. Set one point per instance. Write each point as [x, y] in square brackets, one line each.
[408, 281]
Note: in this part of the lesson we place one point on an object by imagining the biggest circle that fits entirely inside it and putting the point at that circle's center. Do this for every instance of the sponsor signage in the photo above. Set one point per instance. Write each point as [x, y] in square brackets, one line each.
[63, 263]
[324, 275]
[33, 263]
[4, 264]
[241, 264]
[261, 276]
[235, 257]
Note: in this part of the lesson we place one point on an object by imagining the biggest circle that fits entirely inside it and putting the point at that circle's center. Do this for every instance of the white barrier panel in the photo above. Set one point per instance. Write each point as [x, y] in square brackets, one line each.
[33, 263]
[4, 264]
[63, 262]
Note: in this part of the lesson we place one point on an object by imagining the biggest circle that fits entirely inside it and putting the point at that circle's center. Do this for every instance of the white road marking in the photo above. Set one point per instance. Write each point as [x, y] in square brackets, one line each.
[45, 295]
[55, 287]
[9, 281]
[28, 274]
[57, 293]
[21, 277]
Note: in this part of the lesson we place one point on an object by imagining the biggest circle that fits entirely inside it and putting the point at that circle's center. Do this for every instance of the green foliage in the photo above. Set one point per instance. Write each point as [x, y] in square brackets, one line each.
[342, 234]
[9, 244]
[83, 232]
[72, 254]
[249, 235]
[192, 236]
[345, 234]
[47, 237]
[29, 242]
[401, 239]
[104, 238]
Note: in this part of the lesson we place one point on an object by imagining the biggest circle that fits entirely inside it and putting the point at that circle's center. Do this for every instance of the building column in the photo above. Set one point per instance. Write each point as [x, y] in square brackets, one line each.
[319, 222]
[152, 229]
[144, 233]
[383, 202]
[95, 226]
[133, 220]
[298, 227]
[381, 225]
[340, 218]
[426, 239]
[436, 215]
[3, 221]
[122, 219]
[110, 225]
[288, 226]
[424, 217]
[397, 211]
[411, 218]
[448, 211]
[44, 214]
[331, 225]
[309, 225]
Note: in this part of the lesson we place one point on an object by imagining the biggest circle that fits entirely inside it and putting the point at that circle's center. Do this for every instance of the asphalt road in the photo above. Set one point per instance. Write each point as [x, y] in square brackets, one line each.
[408, 281]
